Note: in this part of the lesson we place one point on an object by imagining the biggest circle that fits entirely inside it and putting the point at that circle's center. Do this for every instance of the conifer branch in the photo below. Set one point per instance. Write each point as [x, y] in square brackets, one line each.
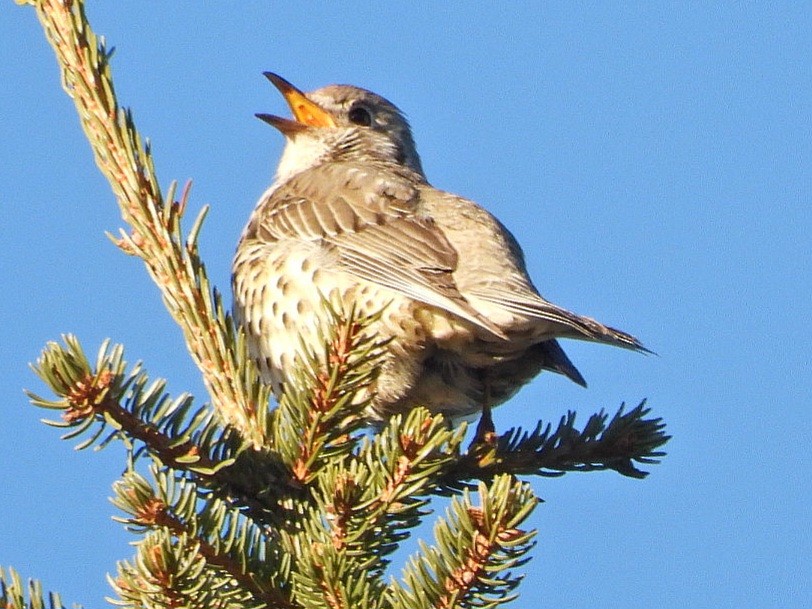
[226, 540]
[169, 572]
[157, 238]
[320, 408]
[365, 503]
[361, 505]
[629, 437]
[475, 549]
[15, 595]
[95, 398]
[106, 394]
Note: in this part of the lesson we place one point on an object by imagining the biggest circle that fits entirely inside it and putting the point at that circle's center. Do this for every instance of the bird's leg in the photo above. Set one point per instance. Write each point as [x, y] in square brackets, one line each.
[485, 431]
[484, 441]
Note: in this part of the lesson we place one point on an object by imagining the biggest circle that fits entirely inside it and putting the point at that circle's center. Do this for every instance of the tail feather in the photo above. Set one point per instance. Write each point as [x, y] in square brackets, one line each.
[566, 324]
[586, 328]
[590, 329]
[554, 359]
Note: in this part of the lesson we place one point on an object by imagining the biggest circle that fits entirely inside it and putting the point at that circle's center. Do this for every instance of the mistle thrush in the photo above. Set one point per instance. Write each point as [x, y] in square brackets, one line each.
[352, 218]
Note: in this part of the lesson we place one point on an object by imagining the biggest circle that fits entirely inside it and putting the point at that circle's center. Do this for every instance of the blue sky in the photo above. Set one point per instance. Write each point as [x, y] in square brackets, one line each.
[652, 158]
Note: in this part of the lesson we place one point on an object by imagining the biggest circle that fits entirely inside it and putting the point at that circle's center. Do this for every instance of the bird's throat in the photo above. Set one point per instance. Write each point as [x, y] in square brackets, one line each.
[300, 154]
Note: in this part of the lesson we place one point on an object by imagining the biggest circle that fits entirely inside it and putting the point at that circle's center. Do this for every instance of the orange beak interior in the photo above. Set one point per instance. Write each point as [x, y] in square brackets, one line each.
[304, 110]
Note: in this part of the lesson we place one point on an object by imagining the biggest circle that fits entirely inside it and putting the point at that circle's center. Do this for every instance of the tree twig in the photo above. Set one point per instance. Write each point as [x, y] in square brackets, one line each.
[156, 236]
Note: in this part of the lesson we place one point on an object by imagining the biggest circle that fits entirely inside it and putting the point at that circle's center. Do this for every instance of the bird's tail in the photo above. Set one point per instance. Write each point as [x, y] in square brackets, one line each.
[586, 328]
[554, 359]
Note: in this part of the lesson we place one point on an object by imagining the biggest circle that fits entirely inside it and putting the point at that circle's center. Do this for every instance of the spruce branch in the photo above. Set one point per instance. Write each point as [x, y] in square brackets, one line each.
[106, 396]
[325, 575]
[326, 394]
[405, 463]
[475, 549]
[15, 595]
[408, 457]
[364, 504]
[170, 572]
[627, 438]
[156, 236]
[229, 542]
[359, 505]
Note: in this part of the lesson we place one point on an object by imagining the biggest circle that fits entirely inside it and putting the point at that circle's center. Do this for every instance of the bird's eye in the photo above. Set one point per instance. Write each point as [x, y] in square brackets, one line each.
[360, 116]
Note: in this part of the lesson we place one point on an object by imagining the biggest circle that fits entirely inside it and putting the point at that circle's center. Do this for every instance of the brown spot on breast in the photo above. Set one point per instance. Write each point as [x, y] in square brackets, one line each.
[286, 361]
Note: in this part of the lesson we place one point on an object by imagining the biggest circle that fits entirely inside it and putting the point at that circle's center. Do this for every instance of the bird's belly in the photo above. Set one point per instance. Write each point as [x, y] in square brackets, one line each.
[282, 301]
[459, 382]
[434, 359]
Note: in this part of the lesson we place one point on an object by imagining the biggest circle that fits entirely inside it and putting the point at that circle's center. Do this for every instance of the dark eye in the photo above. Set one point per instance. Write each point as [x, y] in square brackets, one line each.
[360, 116]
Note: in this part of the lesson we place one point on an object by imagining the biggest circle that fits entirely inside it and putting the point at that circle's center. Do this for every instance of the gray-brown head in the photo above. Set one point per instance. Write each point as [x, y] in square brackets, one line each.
[340, 122]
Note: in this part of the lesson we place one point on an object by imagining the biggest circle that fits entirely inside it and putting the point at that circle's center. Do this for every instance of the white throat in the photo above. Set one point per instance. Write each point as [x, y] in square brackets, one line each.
[300, 153]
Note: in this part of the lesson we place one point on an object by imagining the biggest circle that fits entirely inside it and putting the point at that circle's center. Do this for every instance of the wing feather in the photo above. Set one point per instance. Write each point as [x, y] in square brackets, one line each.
[372, 219]
[523, 302]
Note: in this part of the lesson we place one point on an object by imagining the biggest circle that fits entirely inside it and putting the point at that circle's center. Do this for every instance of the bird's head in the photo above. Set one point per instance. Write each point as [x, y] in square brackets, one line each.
[340, 122]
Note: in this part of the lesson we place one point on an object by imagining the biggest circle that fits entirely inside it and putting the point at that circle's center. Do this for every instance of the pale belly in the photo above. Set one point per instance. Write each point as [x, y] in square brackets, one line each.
[433, 359]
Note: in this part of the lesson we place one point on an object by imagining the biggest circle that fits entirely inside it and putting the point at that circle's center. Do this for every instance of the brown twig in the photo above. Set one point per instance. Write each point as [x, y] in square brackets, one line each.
[156, 236]
[158, 513]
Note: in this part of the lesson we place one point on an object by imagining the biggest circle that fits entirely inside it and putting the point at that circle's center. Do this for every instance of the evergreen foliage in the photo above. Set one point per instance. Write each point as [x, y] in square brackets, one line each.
[236, 505]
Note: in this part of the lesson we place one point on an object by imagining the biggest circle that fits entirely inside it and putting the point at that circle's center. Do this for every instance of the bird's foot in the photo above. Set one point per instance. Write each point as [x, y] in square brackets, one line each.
[484, 443]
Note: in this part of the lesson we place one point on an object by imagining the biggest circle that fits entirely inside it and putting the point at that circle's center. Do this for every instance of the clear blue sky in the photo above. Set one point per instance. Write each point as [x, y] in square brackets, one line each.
[653, 159]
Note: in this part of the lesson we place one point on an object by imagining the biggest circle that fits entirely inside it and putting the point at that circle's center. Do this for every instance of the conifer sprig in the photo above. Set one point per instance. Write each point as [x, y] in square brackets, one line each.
[16, 595]
[230, 544]
[602, 444]
[155, 235]
[320, 410]
[475, 549]
[138, 412]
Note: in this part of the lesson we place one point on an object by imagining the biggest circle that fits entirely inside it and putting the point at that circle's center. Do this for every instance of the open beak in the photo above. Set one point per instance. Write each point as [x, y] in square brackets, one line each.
[305, 112]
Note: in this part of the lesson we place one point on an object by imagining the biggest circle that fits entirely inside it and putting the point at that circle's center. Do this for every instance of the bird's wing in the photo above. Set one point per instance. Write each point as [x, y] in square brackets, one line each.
[372, 219]
[493, 275]
[520, 300]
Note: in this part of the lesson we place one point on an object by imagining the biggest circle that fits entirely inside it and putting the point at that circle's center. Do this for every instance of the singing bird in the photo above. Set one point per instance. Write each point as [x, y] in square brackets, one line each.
[352, 219]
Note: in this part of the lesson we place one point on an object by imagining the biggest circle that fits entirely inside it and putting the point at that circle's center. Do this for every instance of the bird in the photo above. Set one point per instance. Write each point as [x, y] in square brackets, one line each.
[352, 219]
